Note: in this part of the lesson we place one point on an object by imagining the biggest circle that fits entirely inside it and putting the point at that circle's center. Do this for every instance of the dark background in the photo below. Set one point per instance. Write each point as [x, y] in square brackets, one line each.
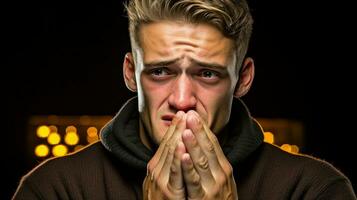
[65, 58]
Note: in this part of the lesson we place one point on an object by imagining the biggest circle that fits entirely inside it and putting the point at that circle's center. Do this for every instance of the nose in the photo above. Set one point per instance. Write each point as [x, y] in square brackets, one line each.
[183, 95]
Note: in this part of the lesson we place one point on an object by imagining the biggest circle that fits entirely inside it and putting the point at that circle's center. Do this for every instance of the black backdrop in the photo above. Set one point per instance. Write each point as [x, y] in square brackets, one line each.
[64, 57]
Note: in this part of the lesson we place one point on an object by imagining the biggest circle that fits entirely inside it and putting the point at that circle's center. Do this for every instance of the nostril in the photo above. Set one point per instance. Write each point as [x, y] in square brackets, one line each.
[184, 108]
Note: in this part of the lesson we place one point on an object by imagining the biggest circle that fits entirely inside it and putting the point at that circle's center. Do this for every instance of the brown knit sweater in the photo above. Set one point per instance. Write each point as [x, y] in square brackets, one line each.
[115, 167]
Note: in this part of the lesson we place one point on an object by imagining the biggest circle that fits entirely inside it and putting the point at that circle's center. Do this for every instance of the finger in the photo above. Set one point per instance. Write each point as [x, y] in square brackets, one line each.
[191, 177]
[222, 159]
[171, 143]
[209, 142]
[176, 179]
[147, 188]
[198, 158]
[202, 135]
[158, 154]
[175, 121]
[165, 170]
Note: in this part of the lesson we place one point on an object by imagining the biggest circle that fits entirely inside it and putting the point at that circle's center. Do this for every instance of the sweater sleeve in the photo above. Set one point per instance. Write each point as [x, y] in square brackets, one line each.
[338, 190]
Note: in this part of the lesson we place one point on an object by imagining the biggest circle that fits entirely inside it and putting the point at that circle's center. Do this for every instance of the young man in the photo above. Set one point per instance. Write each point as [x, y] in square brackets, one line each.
[186, 135]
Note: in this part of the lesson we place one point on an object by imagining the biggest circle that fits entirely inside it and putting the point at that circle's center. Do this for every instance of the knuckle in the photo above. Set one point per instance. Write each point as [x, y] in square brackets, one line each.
[214, 140]
[195, 180]
[165, 194]
[220, 181]
[150, 168]
[160, 184]
[228, 170]
[171, 150]
[203, 163]
[210, 148]
[178, 192]
[221, 178]
[229, 195]
[173, 170]
[214, 193]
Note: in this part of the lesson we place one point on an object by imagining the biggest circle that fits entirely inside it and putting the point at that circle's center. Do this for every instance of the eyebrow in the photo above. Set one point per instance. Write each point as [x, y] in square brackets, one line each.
[161, 63]
[195, 62]
[208, 65]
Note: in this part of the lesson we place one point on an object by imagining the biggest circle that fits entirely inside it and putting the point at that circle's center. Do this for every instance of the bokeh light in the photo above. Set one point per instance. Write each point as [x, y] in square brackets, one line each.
[54, 138]
[41, 150]
[43, 131]
[59, 150]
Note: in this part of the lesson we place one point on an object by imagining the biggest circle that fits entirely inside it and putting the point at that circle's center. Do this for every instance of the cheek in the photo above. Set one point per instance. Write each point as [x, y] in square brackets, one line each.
[154, 94]
[214, 96]
[214, 100]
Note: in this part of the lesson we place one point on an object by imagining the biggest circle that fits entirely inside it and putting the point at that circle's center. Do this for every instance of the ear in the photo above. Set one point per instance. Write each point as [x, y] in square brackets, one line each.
[129, 72]
[246, 76]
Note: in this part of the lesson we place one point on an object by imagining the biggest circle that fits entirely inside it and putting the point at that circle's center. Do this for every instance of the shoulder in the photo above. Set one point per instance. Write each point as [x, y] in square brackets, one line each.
[303, 164]
[87, 158]
[62, 174]
[304, 173]
[271, 172]
[90, 173]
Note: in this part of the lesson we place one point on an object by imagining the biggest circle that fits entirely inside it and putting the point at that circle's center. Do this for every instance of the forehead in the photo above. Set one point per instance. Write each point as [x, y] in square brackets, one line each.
[168, 39]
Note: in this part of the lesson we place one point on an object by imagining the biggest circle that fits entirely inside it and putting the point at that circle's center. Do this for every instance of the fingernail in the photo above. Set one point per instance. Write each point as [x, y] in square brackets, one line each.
[180, 114]
[187, 133]
[193, 119]
[177, 117]
[186, 158]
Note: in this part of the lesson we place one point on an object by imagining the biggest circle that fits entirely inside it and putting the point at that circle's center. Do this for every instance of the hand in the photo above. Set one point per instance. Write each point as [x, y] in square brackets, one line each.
[164, 178]
[207, 172]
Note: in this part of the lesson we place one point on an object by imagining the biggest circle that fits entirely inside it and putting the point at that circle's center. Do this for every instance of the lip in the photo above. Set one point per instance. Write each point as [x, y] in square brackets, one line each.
[167, 119]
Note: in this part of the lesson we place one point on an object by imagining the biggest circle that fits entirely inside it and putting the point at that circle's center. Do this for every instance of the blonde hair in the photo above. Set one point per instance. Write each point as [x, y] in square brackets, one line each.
[231, 17]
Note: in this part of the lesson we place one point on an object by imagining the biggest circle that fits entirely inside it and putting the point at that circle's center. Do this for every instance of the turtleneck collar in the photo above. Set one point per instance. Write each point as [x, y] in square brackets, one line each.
[121, 136]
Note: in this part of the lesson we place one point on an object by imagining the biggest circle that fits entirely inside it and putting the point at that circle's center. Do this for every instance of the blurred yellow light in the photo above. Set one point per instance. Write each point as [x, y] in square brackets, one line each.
[41, 150]
[92, 139]
[71, 129]
[43, 131]
[53, 128]
[269, 137]
[92, 132]
[54, 138]
[59, 150]
[71, 138]
[294, 149]
[286, 147]
[78, 147]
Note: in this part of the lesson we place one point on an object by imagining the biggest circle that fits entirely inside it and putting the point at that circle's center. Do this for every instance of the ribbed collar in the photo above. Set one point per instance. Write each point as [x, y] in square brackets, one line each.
[121, 136]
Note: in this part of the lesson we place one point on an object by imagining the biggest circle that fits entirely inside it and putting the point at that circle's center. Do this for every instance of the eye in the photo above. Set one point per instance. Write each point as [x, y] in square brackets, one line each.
[209, 74]
[159, 72]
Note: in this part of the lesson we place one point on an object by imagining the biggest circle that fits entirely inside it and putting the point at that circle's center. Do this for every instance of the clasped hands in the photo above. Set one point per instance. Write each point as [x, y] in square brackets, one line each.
[189, 164]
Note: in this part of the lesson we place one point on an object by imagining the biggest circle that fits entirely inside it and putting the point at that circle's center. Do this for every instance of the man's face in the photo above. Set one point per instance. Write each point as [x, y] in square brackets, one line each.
[183, 66]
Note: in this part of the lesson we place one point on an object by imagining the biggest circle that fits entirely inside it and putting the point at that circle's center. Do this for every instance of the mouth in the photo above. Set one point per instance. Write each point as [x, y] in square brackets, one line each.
[167, 119]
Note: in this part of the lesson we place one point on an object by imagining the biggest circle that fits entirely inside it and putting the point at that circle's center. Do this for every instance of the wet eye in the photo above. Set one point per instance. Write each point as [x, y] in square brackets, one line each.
[209, 74]
[159, 72]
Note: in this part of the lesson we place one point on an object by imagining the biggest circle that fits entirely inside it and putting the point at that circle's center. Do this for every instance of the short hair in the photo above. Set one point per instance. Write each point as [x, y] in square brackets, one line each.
[231, 17]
